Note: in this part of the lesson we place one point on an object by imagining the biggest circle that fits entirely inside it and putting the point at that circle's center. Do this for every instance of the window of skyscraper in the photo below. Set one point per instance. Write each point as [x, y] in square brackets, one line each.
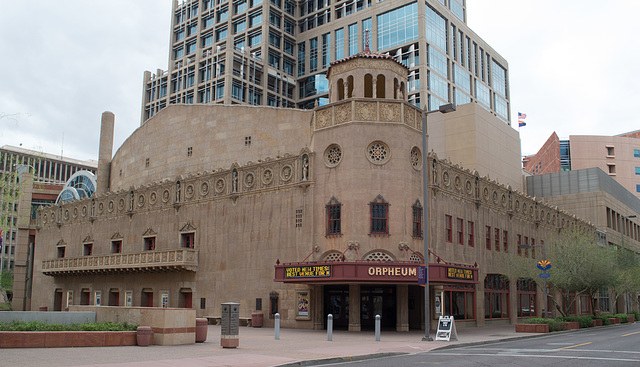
[326, 50]
[436, 30]
[289, 26]
[460, 97]
[313, 55]
[438, 86]
[636, 153]
[456, 8]
[301, 58]
[255, 39]
[438, 62]
[239, 6]
[255, 19]
[223, 14]
[499, 79]
[501, 107]
[239, 26]
[461, 78]
[339, 45]
[483, 94]
[353, 39]
[397, 26]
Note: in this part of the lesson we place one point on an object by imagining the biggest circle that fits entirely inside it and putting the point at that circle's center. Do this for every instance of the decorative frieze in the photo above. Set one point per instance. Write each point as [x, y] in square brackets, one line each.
[367, 110]
[270, 174]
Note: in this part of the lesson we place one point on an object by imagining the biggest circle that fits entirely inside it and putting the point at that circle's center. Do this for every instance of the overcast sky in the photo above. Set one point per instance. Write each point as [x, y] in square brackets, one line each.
[572, 67]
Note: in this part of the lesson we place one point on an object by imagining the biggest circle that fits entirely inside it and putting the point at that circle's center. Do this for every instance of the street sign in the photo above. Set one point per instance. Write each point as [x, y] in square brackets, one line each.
[545, 275]
[544, 265]
[446, 326]
[422, 275]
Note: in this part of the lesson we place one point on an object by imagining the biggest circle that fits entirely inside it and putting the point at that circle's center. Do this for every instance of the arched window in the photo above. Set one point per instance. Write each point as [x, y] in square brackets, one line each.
[334, 217]
[368, 86]
[350, 86]
[379, 216]
[340, 89]
[381, 87]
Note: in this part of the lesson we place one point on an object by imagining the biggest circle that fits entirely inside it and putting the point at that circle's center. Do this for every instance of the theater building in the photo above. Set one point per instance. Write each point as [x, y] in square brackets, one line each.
[300, 212]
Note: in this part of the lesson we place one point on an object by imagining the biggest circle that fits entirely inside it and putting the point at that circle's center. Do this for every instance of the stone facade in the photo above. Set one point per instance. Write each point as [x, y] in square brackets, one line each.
[329, 200]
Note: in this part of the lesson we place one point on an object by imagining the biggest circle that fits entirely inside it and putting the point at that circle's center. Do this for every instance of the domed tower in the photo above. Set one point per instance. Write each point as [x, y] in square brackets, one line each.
[367, 75]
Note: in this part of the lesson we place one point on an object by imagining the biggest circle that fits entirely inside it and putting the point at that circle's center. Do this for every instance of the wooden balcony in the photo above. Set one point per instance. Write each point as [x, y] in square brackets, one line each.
[182, 259]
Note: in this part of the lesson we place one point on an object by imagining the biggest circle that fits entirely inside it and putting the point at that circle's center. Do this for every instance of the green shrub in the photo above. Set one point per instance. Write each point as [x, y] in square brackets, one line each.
[583, 321]
[604, 318]
[5, 306]
[623, 317]
[42, 326]
[554, 324]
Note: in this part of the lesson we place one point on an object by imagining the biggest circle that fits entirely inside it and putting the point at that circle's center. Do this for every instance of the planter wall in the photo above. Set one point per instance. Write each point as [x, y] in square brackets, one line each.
[614, 320]
[572, 325]
[632, 319]
[532, 328]
[597, 322]
[64, 339]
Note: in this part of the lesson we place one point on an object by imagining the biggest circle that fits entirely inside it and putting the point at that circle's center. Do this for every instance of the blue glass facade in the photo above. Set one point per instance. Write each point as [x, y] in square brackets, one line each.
[398, 26]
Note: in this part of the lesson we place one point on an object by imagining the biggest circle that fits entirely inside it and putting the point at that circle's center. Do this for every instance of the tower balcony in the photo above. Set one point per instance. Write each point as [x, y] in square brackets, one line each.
[182, 259]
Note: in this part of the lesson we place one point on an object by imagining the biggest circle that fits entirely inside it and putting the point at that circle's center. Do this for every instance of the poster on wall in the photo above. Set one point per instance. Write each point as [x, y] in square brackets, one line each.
[128, 298]
[165, 300]
[302, 309]
[69, 298]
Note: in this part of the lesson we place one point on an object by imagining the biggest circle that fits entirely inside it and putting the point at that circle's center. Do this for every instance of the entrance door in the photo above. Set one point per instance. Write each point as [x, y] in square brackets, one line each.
[378, 300]
[57, 301]
[336, 302]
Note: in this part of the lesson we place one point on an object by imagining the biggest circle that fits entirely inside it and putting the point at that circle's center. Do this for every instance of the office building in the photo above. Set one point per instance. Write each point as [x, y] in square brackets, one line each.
[33, 179]
[276, 53]
[618, 156]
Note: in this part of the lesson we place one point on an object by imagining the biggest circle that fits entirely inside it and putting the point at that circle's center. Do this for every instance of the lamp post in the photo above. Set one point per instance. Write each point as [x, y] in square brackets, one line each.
[425, 216]
[546, 290]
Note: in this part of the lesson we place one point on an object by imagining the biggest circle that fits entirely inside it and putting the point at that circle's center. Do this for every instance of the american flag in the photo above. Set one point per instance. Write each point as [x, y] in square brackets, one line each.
[522, 116]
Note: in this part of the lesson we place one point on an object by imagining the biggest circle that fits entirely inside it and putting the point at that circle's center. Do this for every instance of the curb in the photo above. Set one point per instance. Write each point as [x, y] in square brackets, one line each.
[319, 362]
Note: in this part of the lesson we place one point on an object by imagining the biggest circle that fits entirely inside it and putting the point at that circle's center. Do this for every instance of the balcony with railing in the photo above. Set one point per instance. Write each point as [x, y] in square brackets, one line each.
[182, 259]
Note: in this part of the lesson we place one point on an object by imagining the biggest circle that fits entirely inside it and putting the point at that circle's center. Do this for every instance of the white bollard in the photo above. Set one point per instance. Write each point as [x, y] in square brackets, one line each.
[330, 327]
[277, 327]
[377, 328]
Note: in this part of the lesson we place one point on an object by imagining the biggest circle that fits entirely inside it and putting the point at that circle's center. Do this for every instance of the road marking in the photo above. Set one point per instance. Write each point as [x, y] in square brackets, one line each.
[535, 356]
[637, 332]
[574, 346]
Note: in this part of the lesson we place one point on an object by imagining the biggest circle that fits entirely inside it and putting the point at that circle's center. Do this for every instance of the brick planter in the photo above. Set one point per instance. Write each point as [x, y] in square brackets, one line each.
[597, 322]
[532, 328]
[571, 325]
[632, 319]
[64, 339]
[614, 320]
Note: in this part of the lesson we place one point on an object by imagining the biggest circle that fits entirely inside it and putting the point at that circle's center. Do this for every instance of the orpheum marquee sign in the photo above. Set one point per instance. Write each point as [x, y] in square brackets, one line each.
[372, 272]
[347, 271]
[307, 271]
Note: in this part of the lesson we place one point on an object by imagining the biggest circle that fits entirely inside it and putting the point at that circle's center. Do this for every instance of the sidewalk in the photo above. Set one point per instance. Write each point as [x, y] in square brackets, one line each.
[257, 348]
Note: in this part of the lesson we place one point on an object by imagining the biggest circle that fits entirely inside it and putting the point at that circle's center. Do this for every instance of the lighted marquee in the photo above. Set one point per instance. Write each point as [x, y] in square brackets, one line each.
[459, 273]
[291, 272]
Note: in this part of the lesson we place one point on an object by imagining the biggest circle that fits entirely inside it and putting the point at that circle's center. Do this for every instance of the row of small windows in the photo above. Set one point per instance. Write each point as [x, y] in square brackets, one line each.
[495, 239]
[623, 224]
[378, 217]
[187, 240]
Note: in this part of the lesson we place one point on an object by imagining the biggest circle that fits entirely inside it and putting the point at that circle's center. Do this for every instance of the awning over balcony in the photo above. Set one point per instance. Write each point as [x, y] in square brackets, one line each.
[137, 262]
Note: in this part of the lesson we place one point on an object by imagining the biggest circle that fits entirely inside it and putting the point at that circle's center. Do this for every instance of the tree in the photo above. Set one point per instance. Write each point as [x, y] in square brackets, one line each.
[579, 266]
[10, 192]
[627, 272]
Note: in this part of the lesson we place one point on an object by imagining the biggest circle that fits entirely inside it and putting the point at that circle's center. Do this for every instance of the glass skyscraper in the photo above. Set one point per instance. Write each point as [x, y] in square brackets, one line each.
[276, 52]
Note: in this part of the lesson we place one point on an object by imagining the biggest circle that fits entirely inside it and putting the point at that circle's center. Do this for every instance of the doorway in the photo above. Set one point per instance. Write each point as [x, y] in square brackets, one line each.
[336, 302]
[378, 300]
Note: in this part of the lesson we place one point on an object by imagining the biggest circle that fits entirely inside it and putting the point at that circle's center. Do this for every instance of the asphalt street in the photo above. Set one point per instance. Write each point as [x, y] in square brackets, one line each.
[611, 346]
